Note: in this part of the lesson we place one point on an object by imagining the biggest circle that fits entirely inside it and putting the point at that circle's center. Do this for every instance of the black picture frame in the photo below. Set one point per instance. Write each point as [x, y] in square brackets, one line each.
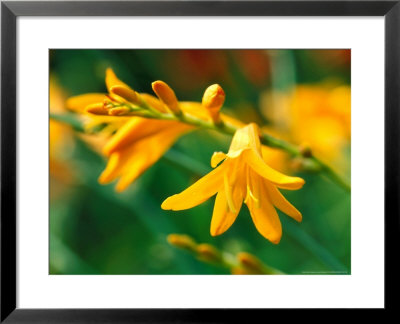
[11, 10]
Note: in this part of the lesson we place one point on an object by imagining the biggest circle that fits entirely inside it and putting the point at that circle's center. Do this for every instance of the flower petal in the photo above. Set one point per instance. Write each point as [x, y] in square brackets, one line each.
[217, 158]
[113, 168]
[138, 128]
[198, 192]
[79, 103]
[112, 80]
[154, 102]
[222, 217]
[280, 202]
[132, 160]
[255, 161]
[146, 152]
[245, 138]
[265, 217]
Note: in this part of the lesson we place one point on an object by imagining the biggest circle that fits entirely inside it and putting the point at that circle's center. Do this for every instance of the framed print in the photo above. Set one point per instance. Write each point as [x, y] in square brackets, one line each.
[188, 161]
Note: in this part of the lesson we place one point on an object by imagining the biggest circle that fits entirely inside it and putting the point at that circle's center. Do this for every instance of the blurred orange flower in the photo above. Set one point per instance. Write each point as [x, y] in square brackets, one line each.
[60, 135]
[315, 116]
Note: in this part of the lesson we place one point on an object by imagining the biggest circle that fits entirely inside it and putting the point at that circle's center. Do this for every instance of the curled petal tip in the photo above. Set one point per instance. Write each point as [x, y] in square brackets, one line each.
[112, 80]
[216, 158]
[299, 181]
[275, 240]
[166, 205]
[110, 73]
[122, 185]
[214, 232]
[103, 179]
[172, 203]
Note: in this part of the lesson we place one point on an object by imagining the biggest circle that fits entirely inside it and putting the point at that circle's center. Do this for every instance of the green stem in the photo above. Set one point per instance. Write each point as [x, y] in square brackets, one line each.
[330, 173]
[69, 119]
[229, 129]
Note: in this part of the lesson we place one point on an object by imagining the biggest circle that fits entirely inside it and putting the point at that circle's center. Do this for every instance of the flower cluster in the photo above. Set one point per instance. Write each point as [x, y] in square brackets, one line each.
[142, 127]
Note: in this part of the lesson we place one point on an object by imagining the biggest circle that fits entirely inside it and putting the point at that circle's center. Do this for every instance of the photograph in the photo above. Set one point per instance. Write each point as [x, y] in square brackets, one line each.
[199, 161]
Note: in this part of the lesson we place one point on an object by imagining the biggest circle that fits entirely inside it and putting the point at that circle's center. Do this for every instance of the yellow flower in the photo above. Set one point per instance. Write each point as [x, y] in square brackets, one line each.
[242, 176]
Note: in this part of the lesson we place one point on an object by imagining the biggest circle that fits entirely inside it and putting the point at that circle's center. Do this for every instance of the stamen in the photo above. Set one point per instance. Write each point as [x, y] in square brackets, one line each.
[228, 193]
[252, 189]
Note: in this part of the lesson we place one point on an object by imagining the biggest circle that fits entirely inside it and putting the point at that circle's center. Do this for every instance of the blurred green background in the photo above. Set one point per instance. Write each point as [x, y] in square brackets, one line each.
[94, 230]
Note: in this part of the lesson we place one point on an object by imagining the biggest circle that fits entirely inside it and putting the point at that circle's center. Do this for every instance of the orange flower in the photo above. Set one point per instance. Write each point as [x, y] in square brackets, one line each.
[242, 176]
[138, 142]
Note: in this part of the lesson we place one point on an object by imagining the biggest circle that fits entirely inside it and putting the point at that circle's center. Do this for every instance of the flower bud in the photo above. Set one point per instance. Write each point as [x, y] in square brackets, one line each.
[208, 253]
[250, 262]
[182, 241]
[167, 96]
[125, 93]
[118, 111]
[97, 109]
[213, 100]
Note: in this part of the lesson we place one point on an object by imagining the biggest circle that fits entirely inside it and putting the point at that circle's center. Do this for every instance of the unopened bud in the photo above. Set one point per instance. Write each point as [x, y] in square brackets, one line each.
[250, 262]
[213, 100]
[118, 111]
[125, 93]
[182, 241]
[97, 109]
[108, 102]
[208, 253]
[167, 96]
